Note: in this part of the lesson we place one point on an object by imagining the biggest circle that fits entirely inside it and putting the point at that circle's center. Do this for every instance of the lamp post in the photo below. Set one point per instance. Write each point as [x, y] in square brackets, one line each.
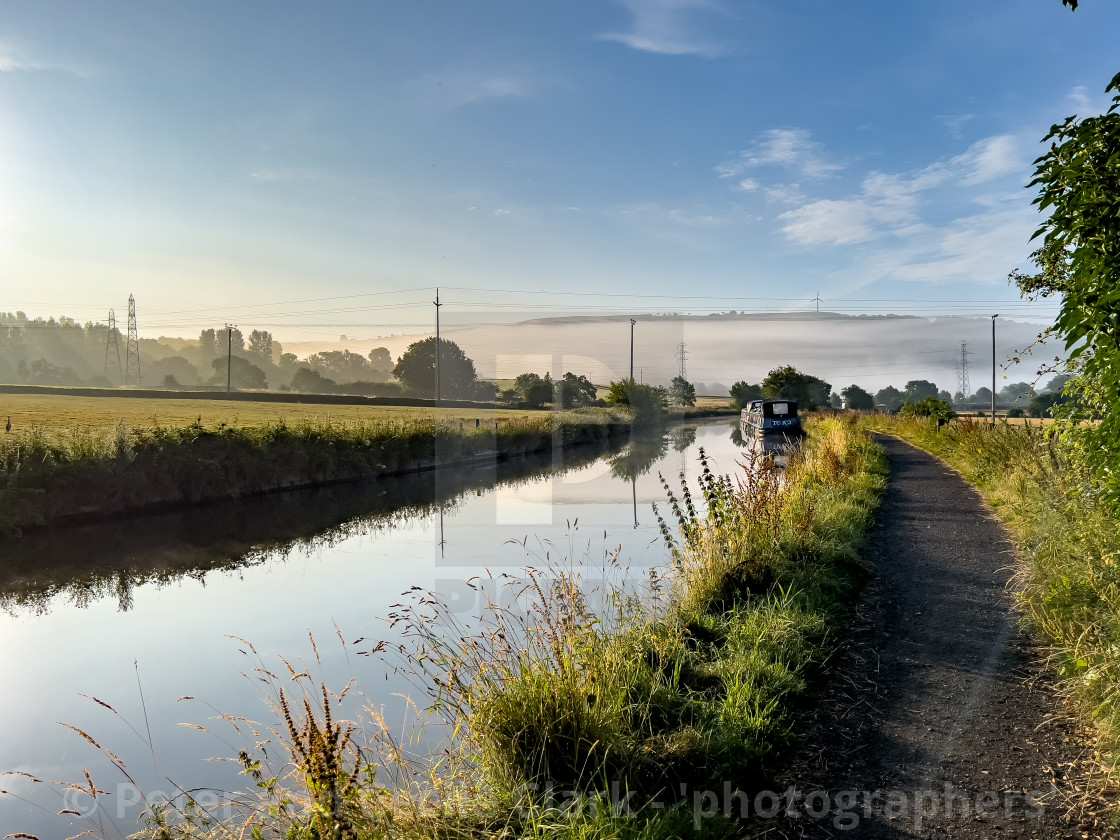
[994, 370]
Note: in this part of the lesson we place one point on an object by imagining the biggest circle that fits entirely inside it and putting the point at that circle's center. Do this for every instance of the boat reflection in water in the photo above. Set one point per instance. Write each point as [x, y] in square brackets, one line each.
[772, 429]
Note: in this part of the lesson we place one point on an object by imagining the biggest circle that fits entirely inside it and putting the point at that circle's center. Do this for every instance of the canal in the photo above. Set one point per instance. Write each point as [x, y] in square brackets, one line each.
[165, 618]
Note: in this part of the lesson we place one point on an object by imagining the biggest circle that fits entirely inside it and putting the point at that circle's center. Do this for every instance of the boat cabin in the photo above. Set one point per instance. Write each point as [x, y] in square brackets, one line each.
[771, 417]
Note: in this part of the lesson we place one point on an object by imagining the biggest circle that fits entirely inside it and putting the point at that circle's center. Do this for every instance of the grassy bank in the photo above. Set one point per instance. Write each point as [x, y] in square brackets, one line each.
[51, 473]
[1070, 579]
[601, 713]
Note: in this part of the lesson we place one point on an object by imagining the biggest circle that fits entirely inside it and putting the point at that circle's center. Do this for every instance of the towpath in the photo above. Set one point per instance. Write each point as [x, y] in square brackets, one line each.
[941, 724]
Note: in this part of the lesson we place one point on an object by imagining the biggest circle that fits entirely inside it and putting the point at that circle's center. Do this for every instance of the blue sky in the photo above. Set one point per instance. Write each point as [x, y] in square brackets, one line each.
[248, 161]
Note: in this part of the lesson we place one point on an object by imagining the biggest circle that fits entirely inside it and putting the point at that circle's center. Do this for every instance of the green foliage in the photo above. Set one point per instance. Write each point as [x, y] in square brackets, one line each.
[918, 390]
[890, 398]
[682, 392]
[791, 384]
[535, 390]
[858, 399]
[308, 381]
[709, 678]
[345, 366]
[649, 403]
[575, 391]
[244, 374]
[1079, 261]
[260, 346]
[416, 370]
[930, 407]
[743, 392]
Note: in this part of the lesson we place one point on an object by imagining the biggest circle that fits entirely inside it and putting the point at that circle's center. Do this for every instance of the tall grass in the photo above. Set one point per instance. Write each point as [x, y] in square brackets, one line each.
[571, 711]
[96, 471]
[1069, 583]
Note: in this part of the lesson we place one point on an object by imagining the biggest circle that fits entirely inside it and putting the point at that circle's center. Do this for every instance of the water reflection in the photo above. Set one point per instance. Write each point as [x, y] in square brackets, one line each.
[79, 565]
[271, 570]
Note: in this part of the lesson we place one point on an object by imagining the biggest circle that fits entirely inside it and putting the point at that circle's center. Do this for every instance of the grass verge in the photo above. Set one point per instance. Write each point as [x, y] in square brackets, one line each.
[599, 713]
[48, 475]
[1069, 584]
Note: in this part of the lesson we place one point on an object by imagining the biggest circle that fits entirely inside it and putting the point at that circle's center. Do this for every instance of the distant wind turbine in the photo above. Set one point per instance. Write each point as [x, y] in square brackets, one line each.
[817, 299]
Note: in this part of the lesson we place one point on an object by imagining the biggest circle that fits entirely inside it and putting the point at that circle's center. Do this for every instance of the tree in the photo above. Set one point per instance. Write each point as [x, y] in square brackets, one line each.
[890, 398]
[791, 384]
[918, 390]
[308, 381]
[648, 402]
[1079, 261]
[381, 360]
[208, 344]
[244, 374]
[983, 395]
[681, 391]
[835, 402]
[416, 369]
[1017, 393]
[260, 345]
[231, 340]
[929, 407]
[743, 392]
[575, 391]
[858, 399]
[184, 372]
[341, 365]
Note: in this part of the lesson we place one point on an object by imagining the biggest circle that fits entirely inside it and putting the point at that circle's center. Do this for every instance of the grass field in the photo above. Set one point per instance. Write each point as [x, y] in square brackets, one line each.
[48, 412]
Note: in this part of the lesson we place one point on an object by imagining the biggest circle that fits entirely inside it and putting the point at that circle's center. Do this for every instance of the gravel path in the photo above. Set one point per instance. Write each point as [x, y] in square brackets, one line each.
[940, 724]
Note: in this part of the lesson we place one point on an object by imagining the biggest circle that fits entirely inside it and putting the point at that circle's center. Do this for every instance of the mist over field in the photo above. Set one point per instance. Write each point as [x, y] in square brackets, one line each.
[870, 351]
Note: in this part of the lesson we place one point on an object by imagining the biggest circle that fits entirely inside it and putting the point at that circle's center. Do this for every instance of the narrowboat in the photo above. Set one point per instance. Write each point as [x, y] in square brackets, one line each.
[765, 419]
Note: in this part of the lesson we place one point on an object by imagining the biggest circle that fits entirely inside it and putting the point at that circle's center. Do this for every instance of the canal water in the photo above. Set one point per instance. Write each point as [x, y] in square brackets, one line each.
[176, 621]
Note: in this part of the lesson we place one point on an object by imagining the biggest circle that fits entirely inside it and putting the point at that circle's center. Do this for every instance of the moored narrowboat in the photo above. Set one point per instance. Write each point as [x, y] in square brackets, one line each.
[767, 418]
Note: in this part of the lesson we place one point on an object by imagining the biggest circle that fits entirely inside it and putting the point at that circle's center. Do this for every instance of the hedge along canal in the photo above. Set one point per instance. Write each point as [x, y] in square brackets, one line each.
[94, 473]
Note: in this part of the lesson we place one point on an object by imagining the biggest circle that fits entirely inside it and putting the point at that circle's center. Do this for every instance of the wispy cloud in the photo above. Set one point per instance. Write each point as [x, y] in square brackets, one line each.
[16, 58]
[889, 204]
[789, 148]
[955, 123]
[667, 27]
[461, 87]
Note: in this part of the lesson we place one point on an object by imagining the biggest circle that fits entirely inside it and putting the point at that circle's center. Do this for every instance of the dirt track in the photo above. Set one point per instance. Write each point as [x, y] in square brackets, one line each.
[941, 724]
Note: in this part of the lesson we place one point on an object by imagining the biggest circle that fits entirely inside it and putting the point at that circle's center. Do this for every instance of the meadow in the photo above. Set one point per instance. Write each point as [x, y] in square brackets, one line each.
[50, 412]
[83, 458]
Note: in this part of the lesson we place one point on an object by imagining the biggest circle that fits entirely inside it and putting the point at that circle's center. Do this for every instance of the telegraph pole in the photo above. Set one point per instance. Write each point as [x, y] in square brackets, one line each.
[229, 355]
[438, 305]
[632, 323]
[994, 370]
